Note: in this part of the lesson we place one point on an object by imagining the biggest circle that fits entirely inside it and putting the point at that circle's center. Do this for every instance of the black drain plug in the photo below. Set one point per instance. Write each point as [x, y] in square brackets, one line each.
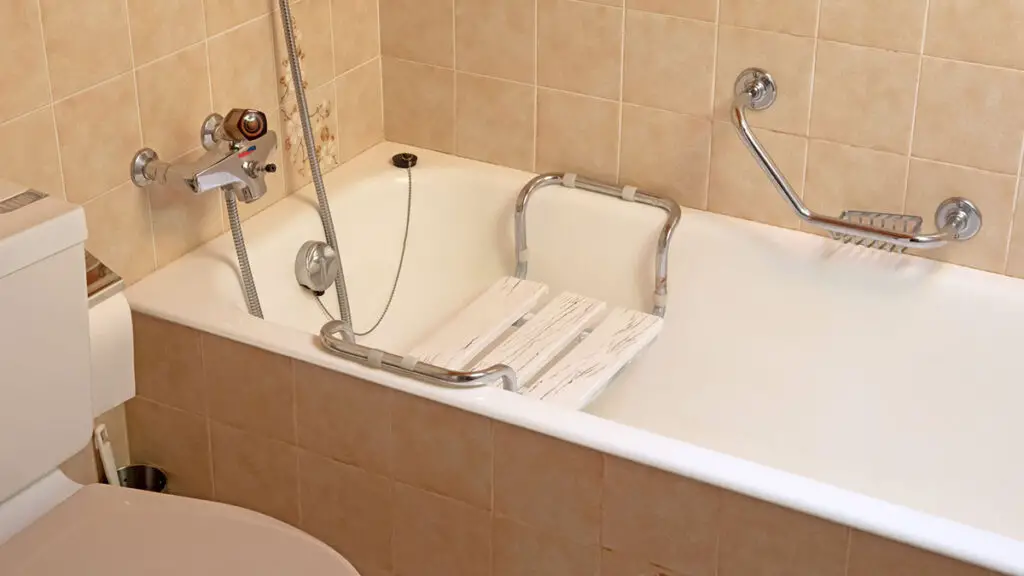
[405, 160]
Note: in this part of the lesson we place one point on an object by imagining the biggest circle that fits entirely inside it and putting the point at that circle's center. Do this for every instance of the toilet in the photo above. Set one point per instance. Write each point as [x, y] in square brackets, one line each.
[51, 526]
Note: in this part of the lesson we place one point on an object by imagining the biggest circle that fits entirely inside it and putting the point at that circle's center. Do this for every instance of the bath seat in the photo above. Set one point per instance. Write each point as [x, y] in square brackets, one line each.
[101, 529]
[565, 354]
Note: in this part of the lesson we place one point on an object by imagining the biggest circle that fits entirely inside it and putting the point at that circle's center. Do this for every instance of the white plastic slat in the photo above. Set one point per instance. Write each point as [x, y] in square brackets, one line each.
[578, 378]
[480, 323]
[540, 340]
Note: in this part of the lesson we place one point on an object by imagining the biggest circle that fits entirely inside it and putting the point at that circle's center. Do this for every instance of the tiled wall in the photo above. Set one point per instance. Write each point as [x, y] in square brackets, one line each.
[885, 105]
[404, 486]
[84, 84]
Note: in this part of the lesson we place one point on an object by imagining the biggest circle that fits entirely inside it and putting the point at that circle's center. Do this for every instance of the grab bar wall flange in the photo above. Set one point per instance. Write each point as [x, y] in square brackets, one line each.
[628, 193]
[419, 370]
[957, 219]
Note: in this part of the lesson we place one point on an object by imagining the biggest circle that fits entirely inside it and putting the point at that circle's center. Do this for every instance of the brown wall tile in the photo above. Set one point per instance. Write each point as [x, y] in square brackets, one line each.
[419, 105]
[176, 441]
[349, 509]
[255, 473]
[662, 518]
[438, 536]
[577, 134]
[249, 388]
[522, 551]
[874, 556]
[496, 38]
[547, 484]
[442, 449]
[494, 120]
[579, 47]
[761, 539]
[619, 564]
[24, 77]
[343, 418]
[168, 363]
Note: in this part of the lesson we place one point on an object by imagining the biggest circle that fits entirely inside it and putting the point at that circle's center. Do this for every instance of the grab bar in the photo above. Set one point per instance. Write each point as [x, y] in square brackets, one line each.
[409, 366]
[957, 219]
[628, 193]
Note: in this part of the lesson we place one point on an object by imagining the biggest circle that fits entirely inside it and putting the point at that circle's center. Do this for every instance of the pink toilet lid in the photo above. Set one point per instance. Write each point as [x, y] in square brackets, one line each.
[117, 531]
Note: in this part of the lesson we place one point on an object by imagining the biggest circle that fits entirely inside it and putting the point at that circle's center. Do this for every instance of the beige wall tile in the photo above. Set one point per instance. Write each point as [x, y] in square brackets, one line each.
[494, 121]
[356, 33]
[321, 101]
[969, 115]
[522, 551]
[28, 152]
[174, 440]
[496, 38]
[577, 134]
[891, 24]
[874, 556]
[789, 59]
[739, 188]
[877, 109]
[168, 363]
[985, 31]
[255, 473]
[249, 388]
[547, 484]
[619, 564]
[95, 155]
[312, 18]
[86, 42]
[930, 183]
[437, 536]
[349, 509]
[798, 17]
[579, 47]
[359, 110]
[762, 539]
[442, 449]
[343, 418]
[663, 518]
[666, 153]
[245, 78]
[183, 220]
[419, 105]
[172, 108]
[697, 9]
[224, 14]
[160, 28]
[1015, 265]
[121, 232]
[669, 63]
[24, 74]
[418, 30]
[841, 177]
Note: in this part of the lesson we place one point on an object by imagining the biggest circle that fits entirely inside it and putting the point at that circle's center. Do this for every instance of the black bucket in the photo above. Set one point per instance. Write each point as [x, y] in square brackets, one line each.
[143, 477]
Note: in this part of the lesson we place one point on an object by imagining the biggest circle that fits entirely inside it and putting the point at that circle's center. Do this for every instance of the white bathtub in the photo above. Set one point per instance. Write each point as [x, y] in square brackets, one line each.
[875, 390]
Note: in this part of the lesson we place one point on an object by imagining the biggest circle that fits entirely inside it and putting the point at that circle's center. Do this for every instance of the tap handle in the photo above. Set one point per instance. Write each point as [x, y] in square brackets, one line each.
[245, 124]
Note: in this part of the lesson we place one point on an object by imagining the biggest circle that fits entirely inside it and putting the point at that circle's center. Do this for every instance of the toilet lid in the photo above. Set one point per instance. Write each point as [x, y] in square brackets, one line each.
[116, 531]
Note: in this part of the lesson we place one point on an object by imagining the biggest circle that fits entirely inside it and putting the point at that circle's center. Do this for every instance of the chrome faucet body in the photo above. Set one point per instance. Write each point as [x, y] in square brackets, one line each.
[236, 159]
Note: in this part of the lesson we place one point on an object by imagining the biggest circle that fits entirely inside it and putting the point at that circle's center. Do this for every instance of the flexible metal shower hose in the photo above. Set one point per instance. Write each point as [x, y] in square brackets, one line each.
[252, 298]
[314, 166]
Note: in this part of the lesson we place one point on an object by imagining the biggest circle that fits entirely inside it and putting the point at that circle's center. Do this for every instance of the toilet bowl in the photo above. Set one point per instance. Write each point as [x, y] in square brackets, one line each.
[50, 526]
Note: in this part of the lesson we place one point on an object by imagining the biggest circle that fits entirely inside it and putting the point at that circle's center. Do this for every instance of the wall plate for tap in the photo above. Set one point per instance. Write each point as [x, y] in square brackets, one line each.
[139, 162]
[760, 85]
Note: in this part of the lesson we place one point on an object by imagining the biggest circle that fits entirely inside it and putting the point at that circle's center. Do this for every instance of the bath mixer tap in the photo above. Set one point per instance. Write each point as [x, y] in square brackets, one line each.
[237, 148]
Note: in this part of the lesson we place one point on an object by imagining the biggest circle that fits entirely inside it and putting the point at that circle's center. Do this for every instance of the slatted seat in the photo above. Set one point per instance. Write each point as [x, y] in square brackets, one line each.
[554, 357]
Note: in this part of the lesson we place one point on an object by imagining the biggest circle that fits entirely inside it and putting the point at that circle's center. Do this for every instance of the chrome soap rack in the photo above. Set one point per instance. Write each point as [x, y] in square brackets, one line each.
[957, 219]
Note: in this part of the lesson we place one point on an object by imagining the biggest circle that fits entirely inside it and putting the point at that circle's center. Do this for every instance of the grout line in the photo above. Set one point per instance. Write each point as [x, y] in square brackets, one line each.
[51, 104]
[209, 87]
[334, 54]
[455, 84]
[917, 99]
[849, 546]
[536, 74]
[295, 430]
[1014, 206]
[622, 90]
[802, 192]
[714, 91]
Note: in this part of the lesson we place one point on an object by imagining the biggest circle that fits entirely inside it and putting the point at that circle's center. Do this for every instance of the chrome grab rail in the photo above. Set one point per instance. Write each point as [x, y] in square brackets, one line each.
[408, 366]
[628, 193]
[957, 219]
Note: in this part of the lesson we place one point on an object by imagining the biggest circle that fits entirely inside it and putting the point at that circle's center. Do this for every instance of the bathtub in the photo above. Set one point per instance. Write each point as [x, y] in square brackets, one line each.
[871, 389]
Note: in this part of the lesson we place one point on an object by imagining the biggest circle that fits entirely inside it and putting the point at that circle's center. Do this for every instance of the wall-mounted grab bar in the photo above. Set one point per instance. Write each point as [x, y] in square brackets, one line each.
[957, 219]
[412, 367]
[628, 193]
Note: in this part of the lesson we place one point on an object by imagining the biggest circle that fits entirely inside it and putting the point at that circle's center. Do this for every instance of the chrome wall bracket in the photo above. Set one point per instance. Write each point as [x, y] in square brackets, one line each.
[957, 219]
